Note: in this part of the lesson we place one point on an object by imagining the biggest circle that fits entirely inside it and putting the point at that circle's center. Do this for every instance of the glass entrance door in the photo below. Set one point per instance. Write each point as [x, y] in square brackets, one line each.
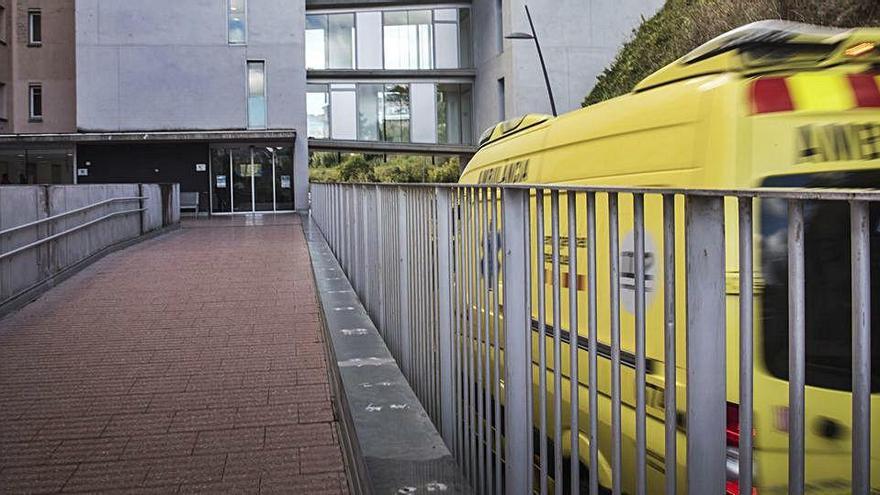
[247, 179]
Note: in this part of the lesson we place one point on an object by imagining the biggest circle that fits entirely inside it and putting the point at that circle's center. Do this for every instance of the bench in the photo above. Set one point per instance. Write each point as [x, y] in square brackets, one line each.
[189, 201]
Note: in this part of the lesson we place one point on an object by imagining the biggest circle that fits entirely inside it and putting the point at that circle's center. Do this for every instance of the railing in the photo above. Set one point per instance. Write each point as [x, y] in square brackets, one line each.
[658, 276]
[44, 230]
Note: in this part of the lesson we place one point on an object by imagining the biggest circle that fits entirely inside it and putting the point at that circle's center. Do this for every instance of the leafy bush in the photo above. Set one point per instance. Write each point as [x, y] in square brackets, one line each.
[682, 25]
[327, 167]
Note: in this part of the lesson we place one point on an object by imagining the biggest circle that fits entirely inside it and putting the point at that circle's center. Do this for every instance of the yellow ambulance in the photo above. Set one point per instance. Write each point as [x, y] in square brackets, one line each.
[771, 104]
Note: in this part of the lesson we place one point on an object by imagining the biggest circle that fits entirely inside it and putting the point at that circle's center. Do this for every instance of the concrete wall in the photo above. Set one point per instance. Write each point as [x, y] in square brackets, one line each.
[166, 65]
[579, 40]
[27, 271]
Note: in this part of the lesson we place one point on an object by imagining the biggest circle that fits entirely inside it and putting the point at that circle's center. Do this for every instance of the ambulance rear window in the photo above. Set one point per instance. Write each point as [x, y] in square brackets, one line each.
[827, 280]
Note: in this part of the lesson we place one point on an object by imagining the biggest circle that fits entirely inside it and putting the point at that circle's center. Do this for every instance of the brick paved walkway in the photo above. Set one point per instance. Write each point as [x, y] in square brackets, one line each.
[193, 362]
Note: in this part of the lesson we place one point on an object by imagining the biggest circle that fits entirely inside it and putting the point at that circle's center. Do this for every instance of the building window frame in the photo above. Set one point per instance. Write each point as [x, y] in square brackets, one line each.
[264, 124]
[35, 102]
[244, 22]
[4, 25]
[35, 27]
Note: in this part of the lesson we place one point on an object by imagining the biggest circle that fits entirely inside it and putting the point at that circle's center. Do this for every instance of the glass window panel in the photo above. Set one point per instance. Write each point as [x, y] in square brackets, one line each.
[408, 40]
[341, 28]
[316, 42]
[397, 41]
[256, 95]
[425, 46]
[464, 38]
[343, 113]
[283, 178]
[318, 111]
[370, 111]
[241, 180]
[423, 117]
[446, 35]
[35, 27]
[369, 30]
[448, 114]
[397, 115]
[237, 19]
[467, 119]
[445, 15]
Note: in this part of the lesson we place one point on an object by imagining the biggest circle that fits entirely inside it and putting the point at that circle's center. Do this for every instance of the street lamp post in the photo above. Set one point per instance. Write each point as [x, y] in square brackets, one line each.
[534, 36]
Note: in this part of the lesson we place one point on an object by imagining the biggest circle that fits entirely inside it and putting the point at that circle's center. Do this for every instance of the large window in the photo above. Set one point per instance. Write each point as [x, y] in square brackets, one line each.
[390, 39]
[330, 41]
[454, 114]
[395, 112]
[236, 17]
[408, 40]
[318, 110]
[256, 75]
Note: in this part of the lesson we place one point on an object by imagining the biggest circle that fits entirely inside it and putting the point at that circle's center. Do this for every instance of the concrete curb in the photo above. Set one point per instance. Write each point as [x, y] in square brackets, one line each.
[399, 445]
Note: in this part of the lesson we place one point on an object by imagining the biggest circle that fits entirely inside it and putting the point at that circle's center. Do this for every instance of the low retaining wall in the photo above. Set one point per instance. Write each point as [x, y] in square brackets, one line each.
[126, 213]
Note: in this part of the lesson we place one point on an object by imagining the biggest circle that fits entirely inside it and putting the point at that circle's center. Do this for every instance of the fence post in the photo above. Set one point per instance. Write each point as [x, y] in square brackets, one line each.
[517, 365]
[444, 298]
[404, 247]
[706, 393]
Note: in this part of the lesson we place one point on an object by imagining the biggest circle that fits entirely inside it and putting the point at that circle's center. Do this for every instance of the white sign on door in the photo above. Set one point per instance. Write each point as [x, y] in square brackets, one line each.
[221, 182]
[82, 172]
[201, 167]
[285, 182]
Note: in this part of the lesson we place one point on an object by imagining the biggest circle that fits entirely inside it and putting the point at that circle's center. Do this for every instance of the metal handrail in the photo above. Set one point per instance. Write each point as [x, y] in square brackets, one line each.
[68, 213]
[66, 232]
[830, 194]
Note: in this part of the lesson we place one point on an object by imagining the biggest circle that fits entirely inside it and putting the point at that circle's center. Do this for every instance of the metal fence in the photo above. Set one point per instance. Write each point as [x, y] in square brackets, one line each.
[491, 314]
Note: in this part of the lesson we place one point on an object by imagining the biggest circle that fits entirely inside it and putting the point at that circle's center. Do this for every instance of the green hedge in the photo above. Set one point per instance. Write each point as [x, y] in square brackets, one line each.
[682, 25]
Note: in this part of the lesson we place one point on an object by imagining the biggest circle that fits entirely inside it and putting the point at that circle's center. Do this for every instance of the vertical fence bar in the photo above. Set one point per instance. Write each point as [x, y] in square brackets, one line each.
[574, 410]
[485, 349]
[639, 248]
[796, 347]
[459, 326]
[614, 276]
[557, 343]
[542, 338]
[444, 316]
[706, 396]
[670, 382]
[746, 344]
[479, 299]
[861, 347]
[593, 348]
[493, 200]
[516, 320]
[469, 329]
[403, 253]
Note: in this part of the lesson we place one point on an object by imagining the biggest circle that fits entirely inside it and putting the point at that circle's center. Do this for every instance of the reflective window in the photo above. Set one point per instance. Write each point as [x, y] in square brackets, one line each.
[318, 110]
[371, 113]
[316, 46]
[408, 40]
[464, 38]
[236, 17]
[396, 126]
[256, 95]
[330, 41]
[454, 114]
[36, 166]
[341, 34]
